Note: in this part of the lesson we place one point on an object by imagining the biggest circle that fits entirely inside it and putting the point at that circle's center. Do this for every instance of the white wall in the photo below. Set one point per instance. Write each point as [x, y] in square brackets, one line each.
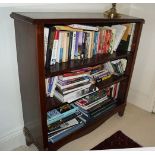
[142, 90]
[11, 118]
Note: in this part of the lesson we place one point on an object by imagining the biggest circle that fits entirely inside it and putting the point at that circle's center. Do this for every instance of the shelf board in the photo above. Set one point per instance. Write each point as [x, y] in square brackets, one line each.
[52, 102]
[61, 68]
[89, 127]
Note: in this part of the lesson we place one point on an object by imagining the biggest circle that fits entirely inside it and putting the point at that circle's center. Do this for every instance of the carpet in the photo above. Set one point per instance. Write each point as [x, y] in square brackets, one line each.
[117, 141]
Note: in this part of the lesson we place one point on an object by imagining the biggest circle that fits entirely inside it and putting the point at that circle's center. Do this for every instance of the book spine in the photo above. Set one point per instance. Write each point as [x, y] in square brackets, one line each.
[85, 27]
[53, 86]
[70, 45]
[58, 59]
[55, 48]
[76, 46]
[73, 45]
[131, 37]
[80, 39]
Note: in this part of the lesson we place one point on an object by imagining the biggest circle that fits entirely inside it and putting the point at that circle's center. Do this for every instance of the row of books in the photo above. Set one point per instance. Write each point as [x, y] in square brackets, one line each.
[69, 118]
[64, 43]
[79, 83]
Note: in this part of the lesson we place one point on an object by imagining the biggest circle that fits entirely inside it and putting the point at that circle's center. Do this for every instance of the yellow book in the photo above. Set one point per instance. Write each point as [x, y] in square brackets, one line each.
[66, 28]
[107, 77]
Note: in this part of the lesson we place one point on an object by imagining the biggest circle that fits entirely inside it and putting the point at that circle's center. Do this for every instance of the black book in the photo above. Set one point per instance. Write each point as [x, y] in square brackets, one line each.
[70, 45]
[49, 47]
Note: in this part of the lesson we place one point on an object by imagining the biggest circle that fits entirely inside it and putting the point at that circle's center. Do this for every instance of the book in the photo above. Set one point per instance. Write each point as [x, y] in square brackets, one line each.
[74, 88]
[101, 110]
[124, 43]
[84, 27]
[56, 125]
[120, 29]
[60, 48]
[64, 125]
[50, 46]
[131, 36]
[55, 48]
[58, 136]
[50, 86]
[66, 28]
[60, 113]
[72, 82]
[75, 95]
[73, 75]
[65, 47]
[46, 34]
[73, 45]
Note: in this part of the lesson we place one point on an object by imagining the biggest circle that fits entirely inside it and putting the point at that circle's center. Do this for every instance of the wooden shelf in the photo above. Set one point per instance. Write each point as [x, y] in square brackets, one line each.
[61, 68]
[52, 102]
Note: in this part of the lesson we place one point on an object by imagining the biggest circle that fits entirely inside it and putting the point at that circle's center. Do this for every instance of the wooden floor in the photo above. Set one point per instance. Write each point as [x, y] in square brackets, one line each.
[136, 123]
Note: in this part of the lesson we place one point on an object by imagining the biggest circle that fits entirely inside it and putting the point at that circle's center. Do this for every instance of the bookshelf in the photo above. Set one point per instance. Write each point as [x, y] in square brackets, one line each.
[29, 30]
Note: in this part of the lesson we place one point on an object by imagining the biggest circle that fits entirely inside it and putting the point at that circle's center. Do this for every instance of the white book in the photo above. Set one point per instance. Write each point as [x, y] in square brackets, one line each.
[46, 85]
[94, 103]
[72, 84]
[131, 37]
[73, 96]
[76, 89]
[54, 86]
[120, 29]
[73, 45]
[54, 50]
[85, 27]
[59, 47]
[73, 77]
[124, 63]
[46, 34]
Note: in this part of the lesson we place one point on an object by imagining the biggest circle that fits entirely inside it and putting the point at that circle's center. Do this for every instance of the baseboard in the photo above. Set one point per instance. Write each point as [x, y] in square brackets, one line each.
[12, 140]
[140, 99]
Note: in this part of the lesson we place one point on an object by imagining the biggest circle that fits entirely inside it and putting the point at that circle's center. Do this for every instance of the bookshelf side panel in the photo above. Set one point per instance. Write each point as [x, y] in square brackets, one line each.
[29, 82]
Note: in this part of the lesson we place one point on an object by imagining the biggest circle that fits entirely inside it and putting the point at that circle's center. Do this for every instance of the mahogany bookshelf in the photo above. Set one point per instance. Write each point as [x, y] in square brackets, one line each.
[29, 30]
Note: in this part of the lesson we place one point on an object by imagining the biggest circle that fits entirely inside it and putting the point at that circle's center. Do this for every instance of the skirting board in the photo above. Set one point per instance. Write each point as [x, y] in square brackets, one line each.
[12, 140]
[140, 99]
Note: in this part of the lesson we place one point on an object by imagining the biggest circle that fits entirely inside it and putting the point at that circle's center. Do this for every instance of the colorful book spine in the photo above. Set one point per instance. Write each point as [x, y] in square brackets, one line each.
[76, 46]
[55, 48]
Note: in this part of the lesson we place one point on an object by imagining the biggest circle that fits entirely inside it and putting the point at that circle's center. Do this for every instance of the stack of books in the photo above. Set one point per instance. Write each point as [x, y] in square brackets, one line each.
[100, 73]
[64, 43]
[97, 103]
[62, 122]
[74, 85]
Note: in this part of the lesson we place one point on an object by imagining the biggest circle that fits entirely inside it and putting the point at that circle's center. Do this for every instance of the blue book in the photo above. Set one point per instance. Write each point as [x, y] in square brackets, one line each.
[65, 133]
[60, 116]
[95, 42]
[50, 85]
[61, 54]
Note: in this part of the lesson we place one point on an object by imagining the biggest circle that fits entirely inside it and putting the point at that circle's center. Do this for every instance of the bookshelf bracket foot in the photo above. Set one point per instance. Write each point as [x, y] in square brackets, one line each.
[28, 138]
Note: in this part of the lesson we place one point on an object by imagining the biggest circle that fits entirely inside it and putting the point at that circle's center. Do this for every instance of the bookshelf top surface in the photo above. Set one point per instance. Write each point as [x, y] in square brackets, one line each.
[37, 17]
